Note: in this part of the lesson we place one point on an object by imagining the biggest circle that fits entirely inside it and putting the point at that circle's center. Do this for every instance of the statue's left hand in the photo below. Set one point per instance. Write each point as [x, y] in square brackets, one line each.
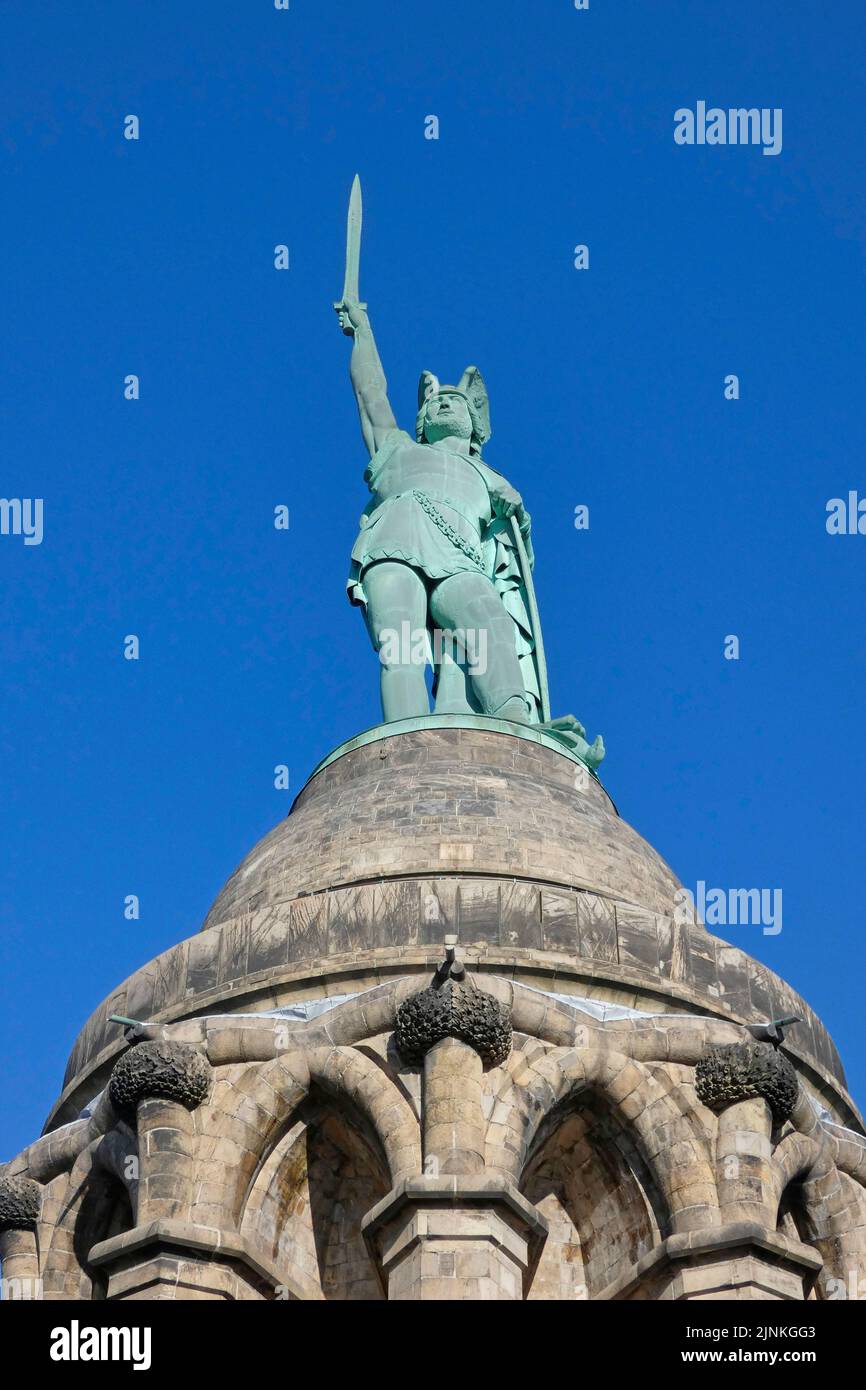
[508, 501]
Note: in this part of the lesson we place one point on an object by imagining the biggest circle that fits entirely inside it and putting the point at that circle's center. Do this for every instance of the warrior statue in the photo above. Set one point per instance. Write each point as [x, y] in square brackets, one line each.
[442, 565]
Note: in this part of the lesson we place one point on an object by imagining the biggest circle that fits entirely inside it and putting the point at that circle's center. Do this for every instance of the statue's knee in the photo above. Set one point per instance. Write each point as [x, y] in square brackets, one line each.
[460, 598]
[484, 610]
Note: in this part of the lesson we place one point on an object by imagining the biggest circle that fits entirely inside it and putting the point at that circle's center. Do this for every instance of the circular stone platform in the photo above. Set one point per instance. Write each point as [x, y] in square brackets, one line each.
[444, 825]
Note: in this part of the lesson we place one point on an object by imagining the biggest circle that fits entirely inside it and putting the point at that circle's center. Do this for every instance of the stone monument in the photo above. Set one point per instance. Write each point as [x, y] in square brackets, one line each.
[444, 1034]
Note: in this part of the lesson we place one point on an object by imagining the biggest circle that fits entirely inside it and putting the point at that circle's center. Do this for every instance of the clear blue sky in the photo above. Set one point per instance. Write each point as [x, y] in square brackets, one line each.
[707, 516]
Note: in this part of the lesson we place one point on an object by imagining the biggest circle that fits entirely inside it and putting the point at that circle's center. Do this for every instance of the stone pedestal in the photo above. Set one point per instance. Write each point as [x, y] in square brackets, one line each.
[178, 1260]
[455, 1238]
[452, 990]
[740, 1261]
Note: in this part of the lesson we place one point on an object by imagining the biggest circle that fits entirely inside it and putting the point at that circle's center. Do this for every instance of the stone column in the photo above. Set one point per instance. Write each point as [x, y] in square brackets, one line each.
[454, 1232]
[453, 1121]
[20, 1205]
[454, 1238]
[751, 1086]
[743, 1172]
[157, 1086]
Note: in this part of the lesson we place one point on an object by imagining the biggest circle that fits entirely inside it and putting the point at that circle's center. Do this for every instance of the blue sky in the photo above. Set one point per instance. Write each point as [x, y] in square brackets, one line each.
[707, 516]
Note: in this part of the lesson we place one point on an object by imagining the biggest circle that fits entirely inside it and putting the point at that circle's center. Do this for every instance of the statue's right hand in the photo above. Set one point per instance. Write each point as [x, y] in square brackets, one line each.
[351, 315]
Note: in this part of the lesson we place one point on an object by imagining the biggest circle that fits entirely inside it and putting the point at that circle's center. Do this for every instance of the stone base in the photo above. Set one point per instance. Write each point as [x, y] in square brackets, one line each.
[403, 837]
[455, 1238]
[178, 1260]
[300, 1170]
[740, 1261]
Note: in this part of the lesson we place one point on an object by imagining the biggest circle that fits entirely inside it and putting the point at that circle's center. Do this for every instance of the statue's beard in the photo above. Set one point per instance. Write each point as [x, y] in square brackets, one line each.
[446, 429]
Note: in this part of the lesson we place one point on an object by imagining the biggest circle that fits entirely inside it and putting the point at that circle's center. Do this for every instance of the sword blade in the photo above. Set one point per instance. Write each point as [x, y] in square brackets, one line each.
[354, 223]
[534, 619]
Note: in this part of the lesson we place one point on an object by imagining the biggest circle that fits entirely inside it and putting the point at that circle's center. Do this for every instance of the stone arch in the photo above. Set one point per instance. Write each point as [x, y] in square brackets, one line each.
[251, 1107]
[649, 1103]
[822, 1205]
[304, 1212]
[105, 1211]
[95, 1205]
[586, 1175]
[347, 1072]
[795, 1158]
[239, 1125]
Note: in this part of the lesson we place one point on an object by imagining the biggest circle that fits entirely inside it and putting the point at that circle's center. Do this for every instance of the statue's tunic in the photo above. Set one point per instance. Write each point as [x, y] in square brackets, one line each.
[412, 484]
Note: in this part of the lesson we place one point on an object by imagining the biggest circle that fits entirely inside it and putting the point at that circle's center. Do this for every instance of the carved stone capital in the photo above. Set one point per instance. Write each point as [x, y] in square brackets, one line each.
[20, 1204]
[455, 1010]
[168, 1070]
[744, 1070]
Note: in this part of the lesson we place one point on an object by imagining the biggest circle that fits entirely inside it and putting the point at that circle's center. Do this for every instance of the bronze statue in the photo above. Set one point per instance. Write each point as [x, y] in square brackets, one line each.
[442, 564]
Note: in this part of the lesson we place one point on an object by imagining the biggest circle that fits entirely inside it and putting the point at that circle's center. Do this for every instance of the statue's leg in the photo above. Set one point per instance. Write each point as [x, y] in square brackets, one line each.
[468, 605]
[452, 687]
[396, 618]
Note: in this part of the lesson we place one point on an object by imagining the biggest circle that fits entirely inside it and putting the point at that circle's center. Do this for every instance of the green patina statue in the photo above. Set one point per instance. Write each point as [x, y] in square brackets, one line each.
[442, 565]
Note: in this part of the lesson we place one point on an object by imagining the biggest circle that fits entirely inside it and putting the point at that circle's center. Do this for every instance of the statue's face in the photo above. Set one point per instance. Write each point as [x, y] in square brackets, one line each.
[447, 417]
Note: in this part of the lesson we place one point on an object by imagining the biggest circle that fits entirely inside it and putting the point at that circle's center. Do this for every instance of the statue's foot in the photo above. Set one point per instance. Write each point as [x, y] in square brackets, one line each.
[571, 732]
[566, 725]
[513, 709]
[595, 753]
[453, 707]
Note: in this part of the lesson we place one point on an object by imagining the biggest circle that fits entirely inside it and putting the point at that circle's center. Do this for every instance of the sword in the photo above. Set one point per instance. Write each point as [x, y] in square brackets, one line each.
[353, 252]
[567, 729]
[534, 619]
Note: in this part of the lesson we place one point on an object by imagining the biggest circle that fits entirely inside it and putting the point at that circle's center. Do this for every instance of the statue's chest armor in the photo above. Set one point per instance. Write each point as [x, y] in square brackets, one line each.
[448, 478]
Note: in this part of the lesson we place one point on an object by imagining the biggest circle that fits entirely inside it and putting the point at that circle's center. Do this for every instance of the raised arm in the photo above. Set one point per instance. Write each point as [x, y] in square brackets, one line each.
[368, 378]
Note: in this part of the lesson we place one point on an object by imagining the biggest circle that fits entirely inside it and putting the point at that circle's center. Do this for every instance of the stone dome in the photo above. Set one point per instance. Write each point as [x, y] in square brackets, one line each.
[461, 800]
[452, 825]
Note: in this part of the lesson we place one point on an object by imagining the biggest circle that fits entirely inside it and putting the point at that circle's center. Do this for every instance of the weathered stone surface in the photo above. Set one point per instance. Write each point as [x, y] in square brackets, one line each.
[468, 798]
[170, 1070]
[407, 1144]
[387, 851]
[20, 1203]
[453, 1010]
[579, 1164]
[742, 1070]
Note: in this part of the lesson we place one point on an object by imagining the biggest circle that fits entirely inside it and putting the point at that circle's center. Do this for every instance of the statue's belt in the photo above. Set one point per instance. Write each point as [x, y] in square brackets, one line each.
[472, 552]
